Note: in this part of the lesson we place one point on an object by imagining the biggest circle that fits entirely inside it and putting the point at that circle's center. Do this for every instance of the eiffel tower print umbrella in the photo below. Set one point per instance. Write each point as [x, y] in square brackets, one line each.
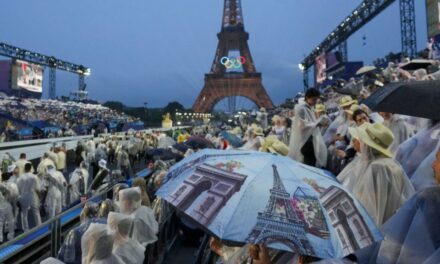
[245, 197]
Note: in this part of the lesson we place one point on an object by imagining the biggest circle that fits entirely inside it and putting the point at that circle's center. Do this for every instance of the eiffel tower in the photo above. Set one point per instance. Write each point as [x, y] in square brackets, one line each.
[279, 222]
[225, 80]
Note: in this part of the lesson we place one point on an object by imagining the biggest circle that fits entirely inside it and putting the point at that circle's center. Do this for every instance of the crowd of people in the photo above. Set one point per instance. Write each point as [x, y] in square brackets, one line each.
[60, 118]
[389, 162]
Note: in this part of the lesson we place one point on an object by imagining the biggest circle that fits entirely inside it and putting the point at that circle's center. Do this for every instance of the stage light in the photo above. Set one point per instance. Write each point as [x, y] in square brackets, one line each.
[301, 67]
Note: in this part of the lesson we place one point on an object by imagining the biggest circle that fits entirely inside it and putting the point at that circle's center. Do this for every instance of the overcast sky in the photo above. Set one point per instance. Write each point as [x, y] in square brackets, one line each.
[158, 51]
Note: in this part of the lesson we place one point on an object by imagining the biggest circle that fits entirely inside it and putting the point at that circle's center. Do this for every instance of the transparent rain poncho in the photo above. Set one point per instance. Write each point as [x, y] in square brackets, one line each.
[412, 234]
[305, 125]
[331, 130]
[56, 184]
[97, 245]
[6, 218]
[145, 226]
[129, 250]
[413, 151]
[349, 176]
[382, 185]
[423, 176]
[400, 129]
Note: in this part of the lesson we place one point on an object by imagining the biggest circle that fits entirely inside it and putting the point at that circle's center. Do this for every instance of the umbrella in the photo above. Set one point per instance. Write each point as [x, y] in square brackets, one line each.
[166, 142]
[365, 70]
[235, 141]
[416, 64]
[181, 147]
[420, 99]
[163, 154]
[253, 197]
[196, 142]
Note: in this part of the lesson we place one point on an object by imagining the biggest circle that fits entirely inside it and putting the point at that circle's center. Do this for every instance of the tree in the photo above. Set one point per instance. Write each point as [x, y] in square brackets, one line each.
[172, 107]
[118, 106]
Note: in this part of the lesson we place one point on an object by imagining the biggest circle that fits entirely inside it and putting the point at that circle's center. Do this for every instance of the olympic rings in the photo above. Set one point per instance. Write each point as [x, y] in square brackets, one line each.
[235, 63]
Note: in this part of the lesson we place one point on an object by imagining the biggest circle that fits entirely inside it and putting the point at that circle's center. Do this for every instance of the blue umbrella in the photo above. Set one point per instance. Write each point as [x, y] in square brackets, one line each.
[254, 197]
[235, 141]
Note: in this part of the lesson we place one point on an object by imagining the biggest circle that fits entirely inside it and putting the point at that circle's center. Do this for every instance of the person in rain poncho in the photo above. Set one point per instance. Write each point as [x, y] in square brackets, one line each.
[262, 117]
[52, 155]
[412, 234]
[424, 176]
[255, 140]
[6, 213]
[399, 128]
[278, 129]
[21, 162]
[342, 118]
[123, 161]
[306, 141]
[321, 111]
[77, 185]
[29, 187]
[70, 251]
[7, 160]
[413, 151]
[44, 163]
[55, 191]
[61, 158]
[145, 226]
[11, 185]
[129, 250]
[116, 189]
[382, 185]
[97, 245]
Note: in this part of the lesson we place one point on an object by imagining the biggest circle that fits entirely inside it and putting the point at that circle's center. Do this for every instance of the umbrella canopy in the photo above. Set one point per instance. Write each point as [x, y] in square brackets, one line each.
[420, 99]
[253, 197]
[196, 142]
[181, 147]
[163, 154]
[416, 64]
[365, 70]
[235, 141]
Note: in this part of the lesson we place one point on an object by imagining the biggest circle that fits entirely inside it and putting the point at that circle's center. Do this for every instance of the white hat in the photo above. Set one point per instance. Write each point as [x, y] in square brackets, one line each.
[103, 164]
[11, 168]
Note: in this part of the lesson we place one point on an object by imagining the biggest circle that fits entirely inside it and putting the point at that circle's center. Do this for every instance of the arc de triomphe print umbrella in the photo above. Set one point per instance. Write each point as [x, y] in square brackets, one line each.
[254, 197]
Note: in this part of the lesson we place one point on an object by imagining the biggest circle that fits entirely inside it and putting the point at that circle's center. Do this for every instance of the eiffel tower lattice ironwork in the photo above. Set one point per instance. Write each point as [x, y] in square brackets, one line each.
[232, 76]
[279, 222]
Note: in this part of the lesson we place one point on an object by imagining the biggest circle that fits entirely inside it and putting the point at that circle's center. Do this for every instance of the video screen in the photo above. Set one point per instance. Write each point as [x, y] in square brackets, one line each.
[27, 76]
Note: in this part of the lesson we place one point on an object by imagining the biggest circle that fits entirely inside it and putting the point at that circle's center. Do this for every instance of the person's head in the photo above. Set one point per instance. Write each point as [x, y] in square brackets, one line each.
[129, 200]
[360, 117]
[376, 137]
[312, 96]
[436, 167]
[45, 155]
[386, 116]
[105, 208]
[23, 156]
[120, 223]
[89, 211]
[99, 242]
[27, 167]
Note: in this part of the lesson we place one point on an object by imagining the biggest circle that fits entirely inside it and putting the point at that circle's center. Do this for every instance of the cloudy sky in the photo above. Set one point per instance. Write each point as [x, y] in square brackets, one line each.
[158, 51]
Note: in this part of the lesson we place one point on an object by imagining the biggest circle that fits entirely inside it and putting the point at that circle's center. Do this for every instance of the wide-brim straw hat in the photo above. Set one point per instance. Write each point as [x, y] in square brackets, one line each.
[347, 101]
[258, 131]
[376, 136]
[262, 109]
[279, 147]
[320, 108]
